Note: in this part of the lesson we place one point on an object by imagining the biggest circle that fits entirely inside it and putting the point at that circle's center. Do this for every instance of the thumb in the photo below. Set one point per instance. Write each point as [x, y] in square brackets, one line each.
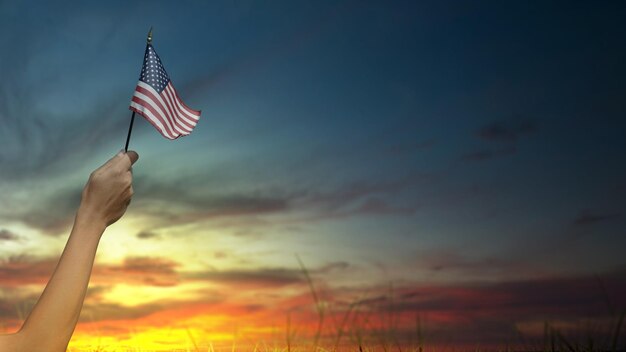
[133, 156]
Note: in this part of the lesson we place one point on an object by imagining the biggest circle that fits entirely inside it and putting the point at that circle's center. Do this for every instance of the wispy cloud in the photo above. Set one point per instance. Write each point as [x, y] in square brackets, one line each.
[507, 131]
[149, 271]
[6, 235]
[588, 217]
[460, 261]
[147, 235]
[486, 154]
[167, 203]
[402, 148]
[263, 276]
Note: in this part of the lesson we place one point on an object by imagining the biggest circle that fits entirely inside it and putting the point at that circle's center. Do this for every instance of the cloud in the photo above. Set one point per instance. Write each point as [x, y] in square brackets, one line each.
[360, 198]
[36, 143]
[484, 312]
[147, 235]
[508, 132]
[451, 259]
[261, 277]
[410, 147]
[6, 235]
[148, 271]
[264, 277]
[486, 154]
[154, 271]
[587, 217]
[555, 297]
[197, 200]
[23, 270]
[168, 203]
[500, 131]
[112, 311]
[52, 214]
[39, 145]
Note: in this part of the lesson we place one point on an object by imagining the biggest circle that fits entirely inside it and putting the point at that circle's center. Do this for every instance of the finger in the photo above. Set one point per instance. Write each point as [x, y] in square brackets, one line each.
[126, 160]
[113, 159]
[133, 156]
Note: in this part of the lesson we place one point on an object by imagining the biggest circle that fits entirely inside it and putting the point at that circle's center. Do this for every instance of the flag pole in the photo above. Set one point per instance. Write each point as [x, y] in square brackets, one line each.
[132, 117]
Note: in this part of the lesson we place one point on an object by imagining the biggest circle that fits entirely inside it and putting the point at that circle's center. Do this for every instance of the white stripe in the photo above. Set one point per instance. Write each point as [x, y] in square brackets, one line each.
[162, 113]
[147, 114]
[176, 117]
[188, 110]
[193, 113]
[174, 101]
[172, 94]
[182, 129]
[179, 114]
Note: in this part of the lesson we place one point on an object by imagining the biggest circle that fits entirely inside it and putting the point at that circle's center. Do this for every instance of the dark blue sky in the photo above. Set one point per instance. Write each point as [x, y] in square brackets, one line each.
[415, 141]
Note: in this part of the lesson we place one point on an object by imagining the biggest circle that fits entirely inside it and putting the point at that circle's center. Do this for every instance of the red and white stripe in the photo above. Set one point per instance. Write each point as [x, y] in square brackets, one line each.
[165, 111]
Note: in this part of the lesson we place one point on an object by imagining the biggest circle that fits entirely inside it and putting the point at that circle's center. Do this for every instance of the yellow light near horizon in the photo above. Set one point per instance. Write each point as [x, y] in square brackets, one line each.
[183, 333]
[133, 295]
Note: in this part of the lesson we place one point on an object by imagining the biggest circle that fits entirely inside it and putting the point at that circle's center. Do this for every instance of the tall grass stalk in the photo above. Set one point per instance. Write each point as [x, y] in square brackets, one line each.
[318, 304]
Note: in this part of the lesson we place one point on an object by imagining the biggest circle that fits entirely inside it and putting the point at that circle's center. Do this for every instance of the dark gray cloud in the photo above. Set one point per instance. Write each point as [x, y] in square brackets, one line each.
[15, 304]
[261, 277]
[172, 202]
[486, 154]
[113, 311]
[493, 311]
[410, 147]
[501, 131]
[22, 270]
[150, 271]
[184, 194]
[176, 201]
[6, 235]
[456, 260]
[147, 235]
[588, 217]
[558, 297]
[508, 132]
[53, 215]
[264, 277]
[36, 143]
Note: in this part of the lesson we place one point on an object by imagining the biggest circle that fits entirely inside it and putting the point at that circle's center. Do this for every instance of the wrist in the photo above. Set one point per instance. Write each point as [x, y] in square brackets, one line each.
[86, 217]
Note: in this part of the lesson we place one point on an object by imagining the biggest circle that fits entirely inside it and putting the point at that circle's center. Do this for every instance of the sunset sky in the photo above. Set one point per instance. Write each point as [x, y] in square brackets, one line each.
[461, 164]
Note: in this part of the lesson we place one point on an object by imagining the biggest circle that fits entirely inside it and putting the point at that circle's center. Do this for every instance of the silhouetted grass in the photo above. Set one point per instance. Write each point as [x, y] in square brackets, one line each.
[366, 337]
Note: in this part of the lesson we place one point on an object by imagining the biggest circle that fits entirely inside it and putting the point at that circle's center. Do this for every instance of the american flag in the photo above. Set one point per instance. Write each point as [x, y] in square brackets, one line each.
[158, 102]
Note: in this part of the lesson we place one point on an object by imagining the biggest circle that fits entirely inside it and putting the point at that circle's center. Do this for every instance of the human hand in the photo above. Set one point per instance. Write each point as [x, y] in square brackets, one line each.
[109, 190]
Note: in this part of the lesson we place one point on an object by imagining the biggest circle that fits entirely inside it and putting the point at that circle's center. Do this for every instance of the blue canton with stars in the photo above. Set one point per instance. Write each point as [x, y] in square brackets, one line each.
[152, 72]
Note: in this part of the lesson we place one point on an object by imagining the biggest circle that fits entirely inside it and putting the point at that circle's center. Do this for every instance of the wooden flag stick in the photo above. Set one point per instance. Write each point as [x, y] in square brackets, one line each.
[132, 118]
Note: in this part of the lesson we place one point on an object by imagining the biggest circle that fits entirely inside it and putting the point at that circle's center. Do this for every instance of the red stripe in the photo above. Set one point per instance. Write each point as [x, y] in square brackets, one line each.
[154, 99]
[177, 113]
[158, 116]
[170, 117]
[172, 99]
[143, 112]
[151, 122]
[181, 113]
[191, 111]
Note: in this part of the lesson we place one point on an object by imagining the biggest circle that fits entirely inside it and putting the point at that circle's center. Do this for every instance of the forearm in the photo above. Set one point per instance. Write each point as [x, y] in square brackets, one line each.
[54, 317]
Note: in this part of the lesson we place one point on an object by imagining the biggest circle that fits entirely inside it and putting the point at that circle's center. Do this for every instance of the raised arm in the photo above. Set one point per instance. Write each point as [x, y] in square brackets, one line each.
[51, 323]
